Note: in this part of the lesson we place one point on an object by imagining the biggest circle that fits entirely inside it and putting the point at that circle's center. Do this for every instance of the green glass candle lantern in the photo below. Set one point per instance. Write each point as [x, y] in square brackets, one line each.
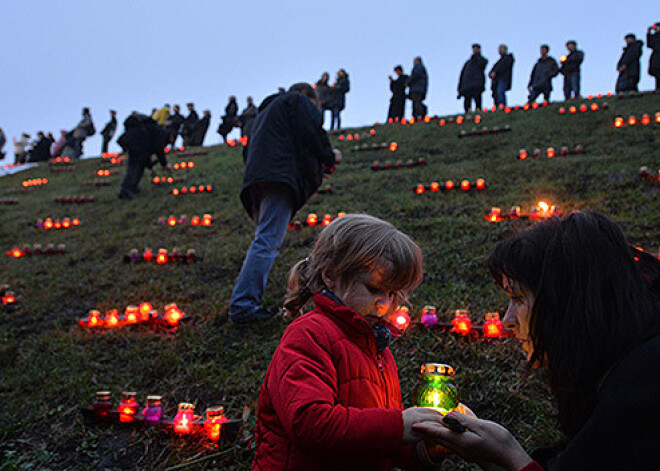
[436, 389]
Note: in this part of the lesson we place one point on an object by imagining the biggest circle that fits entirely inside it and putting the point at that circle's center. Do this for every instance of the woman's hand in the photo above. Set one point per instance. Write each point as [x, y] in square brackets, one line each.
[417, 415]
[482, 441]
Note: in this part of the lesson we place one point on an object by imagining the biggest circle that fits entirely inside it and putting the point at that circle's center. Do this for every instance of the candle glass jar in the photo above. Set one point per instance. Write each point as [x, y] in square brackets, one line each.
[184, 418]
[435, 388]
[153, 410]
[215, 417]
[128, 406]
[102, 403]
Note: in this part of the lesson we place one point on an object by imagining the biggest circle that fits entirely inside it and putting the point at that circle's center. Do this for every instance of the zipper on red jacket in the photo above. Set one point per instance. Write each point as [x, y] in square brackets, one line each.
[379, 359]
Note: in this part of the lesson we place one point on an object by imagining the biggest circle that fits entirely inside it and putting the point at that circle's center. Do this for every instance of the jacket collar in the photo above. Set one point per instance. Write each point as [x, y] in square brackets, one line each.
[351, 322]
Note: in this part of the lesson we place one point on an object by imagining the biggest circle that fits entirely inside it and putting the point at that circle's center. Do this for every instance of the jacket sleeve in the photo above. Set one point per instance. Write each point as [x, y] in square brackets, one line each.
[310, 131]
[531, 76]
[303, 386]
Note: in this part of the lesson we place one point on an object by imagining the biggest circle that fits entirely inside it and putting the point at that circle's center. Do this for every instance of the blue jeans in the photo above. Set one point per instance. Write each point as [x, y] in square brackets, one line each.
[500, 93]
[275, 212]
[336, 118]
[571, 84]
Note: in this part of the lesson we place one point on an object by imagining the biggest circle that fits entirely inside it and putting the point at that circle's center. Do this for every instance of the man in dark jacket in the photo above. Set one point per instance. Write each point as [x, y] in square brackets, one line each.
[189, 123]
[338, 98]
[247, 116]
[141, 139]
[3, 141]
[109, 131]
[418, 85]
[287, 154]
[653, 43]
[471, 83]
[199, 130]
[173, 125]
[398, 100]
[540, 81]
[570, 68]
[41, 149]
[628, 65]
[501, 76]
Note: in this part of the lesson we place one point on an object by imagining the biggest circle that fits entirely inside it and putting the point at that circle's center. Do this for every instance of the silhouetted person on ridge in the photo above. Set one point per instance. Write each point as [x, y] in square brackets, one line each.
[199, 130]
[108, 131]
[173, 125]
[540, 80]
[229, 119]
[418, 85]
[570, 68]
[398, 100]
[472, 81]
[501, 76]
[3, 141]
[337, 101]
[628, 65]
[324, 94]
[41, 149]
[247, 116]
[653, 43]
[189, 123]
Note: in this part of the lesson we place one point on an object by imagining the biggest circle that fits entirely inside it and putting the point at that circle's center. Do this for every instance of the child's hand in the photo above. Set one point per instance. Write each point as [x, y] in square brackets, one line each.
[416, 415]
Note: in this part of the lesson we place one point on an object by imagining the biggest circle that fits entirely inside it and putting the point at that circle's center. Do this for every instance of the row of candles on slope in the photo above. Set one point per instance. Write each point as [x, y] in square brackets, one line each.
[6, 166]
[193, 189]
[243, 140]
[36, 249]
[645, 120]
[60, 161]
[484, 131]
[7, 297]
[169, 180]
[133, 315]
[185, 421]
[461, 324]
[105, 173]
[356, 136]
[460, 119]
[449, 185]
[74, 199]
[551, 152]
[541, 210]
[162, 256]
[50, 223]
[313, 220]
[583, 108]
[112, 158]
[399, 164]
[34, 182]
[181, 152]
[206, 220]
[9, 202]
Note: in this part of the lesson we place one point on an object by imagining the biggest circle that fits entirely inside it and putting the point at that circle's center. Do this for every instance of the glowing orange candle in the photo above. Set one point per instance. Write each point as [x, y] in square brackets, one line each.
[184, 418]
[8, 298]
[461, 322]
[215, 417]
[435, 186]
[632, 120]
[646, 119]
[128, 407]
[618, 122]
[419, 189]
[572, 110]
[459, 120]
[75, 221]
[594, 107]
[312, 219]
[402, 318]
[48, 223]
[207, 220]
[449, 185]
[583, 108]
[145, 309]
[161, 258]
[465, 185]
[172, 314]
[493, 325]
[481, 184]
[550, 152]
[394, 146]
[522, 154]
[131, 315]
[171, 221]
[111, 319]
[494, 215]
[195, 221]
[327, 219]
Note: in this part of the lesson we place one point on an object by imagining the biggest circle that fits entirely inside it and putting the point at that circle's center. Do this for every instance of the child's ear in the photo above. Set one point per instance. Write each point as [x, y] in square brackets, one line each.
[328, 278]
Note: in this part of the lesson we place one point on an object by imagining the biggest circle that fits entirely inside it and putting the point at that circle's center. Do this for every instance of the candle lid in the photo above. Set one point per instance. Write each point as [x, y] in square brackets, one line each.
[439, 369]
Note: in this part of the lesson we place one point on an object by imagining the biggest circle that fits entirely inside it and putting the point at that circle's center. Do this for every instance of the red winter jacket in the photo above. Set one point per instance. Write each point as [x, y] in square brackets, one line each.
[329, 401]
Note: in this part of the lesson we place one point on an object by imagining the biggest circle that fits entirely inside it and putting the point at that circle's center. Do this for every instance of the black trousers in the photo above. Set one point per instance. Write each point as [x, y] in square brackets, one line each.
[397, 107]
[469, 96]
[134, 172]
[418, 107]
[104, 146]
[534, 94]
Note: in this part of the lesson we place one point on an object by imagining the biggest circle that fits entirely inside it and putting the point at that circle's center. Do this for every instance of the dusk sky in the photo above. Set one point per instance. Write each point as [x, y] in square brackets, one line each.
[60, 56]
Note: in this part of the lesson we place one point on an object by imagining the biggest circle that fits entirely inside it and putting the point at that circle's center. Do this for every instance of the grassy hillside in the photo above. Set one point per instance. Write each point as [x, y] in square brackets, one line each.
[49, 367]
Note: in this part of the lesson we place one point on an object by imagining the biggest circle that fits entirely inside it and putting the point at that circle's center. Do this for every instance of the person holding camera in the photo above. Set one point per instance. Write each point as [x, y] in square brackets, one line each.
[653, 43]
[398, 100]
[570, 68]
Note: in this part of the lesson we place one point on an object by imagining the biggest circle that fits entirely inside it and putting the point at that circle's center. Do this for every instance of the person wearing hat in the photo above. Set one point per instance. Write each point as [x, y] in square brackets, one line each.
[471, 83]
[628, 65]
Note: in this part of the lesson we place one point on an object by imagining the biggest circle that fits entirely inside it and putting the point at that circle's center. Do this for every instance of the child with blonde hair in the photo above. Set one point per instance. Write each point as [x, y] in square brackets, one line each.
[331, 398]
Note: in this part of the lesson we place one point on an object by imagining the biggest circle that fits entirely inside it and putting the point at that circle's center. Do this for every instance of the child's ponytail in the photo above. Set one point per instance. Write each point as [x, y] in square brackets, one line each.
[298, 292]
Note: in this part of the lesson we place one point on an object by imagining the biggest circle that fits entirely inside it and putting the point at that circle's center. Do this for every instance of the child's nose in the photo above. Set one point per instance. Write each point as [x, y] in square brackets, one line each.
[383, 304]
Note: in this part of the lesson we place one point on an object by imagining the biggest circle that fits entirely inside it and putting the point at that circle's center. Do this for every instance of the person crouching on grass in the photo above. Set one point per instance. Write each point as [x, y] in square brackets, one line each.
[586, 306]
[331, 398]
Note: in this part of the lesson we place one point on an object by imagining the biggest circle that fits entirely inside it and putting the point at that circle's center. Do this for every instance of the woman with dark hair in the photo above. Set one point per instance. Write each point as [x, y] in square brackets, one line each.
[586, 306]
